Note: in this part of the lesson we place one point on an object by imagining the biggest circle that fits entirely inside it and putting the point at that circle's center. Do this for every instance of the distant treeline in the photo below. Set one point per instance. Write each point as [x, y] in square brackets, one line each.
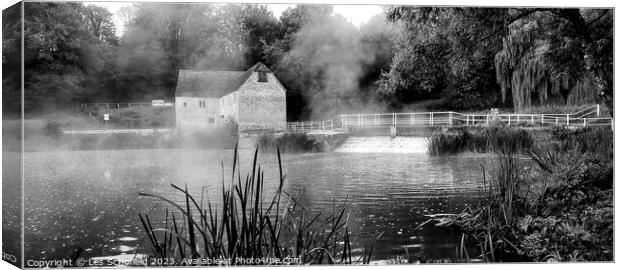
[466, 58]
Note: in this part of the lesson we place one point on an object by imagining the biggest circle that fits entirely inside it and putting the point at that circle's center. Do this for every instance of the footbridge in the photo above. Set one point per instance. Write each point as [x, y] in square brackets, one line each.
[342, 123]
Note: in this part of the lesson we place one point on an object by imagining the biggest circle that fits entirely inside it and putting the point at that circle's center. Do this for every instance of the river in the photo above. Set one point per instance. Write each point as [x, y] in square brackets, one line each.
[89, 199]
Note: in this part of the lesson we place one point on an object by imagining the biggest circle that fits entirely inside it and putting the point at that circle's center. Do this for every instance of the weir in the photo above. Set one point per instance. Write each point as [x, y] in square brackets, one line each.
[384, 144]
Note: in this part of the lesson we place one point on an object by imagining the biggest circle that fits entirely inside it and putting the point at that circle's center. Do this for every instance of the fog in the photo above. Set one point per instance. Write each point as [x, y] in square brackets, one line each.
[338, 59]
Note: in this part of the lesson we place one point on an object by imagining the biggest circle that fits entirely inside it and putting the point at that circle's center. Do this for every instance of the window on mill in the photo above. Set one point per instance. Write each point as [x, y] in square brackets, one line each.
[262, 76]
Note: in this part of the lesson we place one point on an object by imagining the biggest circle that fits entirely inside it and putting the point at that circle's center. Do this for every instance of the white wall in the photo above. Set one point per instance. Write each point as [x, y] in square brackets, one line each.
[190, 115]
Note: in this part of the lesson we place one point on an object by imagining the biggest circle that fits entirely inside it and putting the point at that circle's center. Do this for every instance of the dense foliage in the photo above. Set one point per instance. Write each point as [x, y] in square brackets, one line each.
[463, 58]
[481, 57]
[558, 206]
[73, 55]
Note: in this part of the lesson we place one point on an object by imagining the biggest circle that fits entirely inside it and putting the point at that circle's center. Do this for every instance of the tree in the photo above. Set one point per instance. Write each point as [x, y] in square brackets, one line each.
[554, 55]
[60, 53]
[11, 60]
[443, 52]
[162, 38]
[100, 24]
[540, 56]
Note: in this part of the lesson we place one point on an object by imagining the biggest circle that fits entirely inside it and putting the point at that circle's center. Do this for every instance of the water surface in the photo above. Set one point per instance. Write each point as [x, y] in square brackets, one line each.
[88, 199]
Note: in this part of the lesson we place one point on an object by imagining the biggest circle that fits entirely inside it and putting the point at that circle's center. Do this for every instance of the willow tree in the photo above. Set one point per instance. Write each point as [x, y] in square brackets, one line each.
[556, 56]
[535, 56]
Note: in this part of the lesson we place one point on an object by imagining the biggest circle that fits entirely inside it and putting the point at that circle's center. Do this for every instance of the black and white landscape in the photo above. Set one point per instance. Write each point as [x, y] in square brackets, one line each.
[186, 134]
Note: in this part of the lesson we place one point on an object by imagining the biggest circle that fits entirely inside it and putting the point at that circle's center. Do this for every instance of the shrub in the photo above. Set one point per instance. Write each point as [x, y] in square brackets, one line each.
[136, 117]
[583, 140]
[578, 195]
[51, 128]
[288, 143]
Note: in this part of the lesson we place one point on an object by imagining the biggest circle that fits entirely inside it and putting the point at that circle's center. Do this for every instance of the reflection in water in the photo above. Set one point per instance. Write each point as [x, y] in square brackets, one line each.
[89, 199]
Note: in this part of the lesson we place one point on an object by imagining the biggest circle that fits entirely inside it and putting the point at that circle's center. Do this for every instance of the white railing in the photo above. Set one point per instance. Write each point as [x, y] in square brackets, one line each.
[143, 131]
[310, 126]
[450, 118]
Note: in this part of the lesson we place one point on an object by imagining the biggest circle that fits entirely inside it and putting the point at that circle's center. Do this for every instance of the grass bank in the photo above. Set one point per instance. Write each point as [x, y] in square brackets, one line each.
[47, 135]
[558, 206]
[134, 117]
[250, 227]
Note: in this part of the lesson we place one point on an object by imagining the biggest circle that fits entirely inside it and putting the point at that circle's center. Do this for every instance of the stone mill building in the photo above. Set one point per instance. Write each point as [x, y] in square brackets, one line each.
[255, 99]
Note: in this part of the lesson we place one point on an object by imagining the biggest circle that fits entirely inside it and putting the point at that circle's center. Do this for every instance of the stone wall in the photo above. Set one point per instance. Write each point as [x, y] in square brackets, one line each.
[229, 106]
[262, 105]
[189, 115]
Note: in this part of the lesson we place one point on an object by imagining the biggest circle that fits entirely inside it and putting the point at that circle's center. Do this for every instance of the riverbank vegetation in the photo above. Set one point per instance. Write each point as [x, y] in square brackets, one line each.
[133, 117]
[480, 140]
[271, 229]
[289, 143]
[556, 207]
[48, 135]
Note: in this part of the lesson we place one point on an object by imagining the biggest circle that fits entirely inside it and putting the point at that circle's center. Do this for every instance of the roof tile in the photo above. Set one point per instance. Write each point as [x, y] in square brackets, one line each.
[215, 84]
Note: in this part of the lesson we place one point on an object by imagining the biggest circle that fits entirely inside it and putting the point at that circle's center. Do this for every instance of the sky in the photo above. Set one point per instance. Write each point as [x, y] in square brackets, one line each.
[356, 14]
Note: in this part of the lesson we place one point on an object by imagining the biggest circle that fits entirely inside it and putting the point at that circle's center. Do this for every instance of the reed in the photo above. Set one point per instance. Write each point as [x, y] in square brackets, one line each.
[566, 201]
[494, 139]
[250, 225]
[598, 140]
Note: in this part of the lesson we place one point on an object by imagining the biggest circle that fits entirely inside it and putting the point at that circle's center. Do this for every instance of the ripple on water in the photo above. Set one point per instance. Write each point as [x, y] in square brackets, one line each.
[85, 193]
[127, 239]
[123, 248]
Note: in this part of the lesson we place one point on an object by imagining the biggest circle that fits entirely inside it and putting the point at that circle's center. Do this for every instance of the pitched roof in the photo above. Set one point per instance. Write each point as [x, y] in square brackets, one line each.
[207, 83]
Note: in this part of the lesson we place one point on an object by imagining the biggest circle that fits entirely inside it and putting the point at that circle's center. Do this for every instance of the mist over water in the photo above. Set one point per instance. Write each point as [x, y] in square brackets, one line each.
[89, 199]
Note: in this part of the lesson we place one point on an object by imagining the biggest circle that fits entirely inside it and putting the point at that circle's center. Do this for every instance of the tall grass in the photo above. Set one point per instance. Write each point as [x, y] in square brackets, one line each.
[491, 226]
[561, 210]
[250, 224]
[494, 139]
[591, 139]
